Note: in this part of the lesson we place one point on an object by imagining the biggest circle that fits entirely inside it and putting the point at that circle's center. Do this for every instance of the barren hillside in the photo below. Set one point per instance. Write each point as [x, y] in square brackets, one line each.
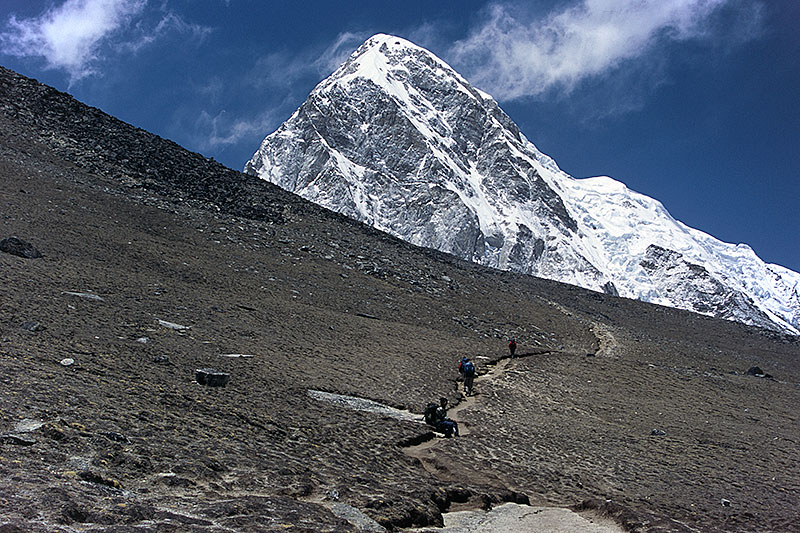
[157, 262]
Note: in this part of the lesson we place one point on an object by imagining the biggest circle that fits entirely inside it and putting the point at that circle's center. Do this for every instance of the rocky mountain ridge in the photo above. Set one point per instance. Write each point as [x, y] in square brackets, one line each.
[397, 139]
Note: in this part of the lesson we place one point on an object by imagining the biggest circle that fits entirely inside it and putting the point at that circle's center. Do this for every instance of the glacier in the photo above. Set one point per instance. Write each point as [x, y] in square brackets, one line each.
[399, 140]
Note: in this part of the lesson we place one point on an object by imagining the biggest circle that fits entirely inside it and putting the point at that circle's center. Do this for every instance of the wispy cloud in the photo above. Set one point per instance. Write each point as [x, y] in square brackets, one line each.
[283, 78]
[168, 23]
[513, 54]
[212, 132]
[337, 53]
[68, 36]
[76, 35]
[283, 70]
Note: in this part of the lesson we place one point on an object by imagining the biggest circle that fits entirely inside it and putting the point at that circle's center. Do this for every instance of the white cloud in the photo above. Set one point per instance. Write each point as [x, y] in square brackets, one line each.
[285, 70]
[77, 35]
[338, 52]
[169, 23]
[68, 37]
[212, 132]
[283, 77]
[512, 55]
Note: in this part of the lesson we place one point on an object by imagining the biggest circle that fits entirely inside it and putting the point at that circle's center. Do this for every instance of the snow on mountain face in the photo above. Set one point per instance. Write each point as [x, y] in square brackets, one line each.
[397, 139]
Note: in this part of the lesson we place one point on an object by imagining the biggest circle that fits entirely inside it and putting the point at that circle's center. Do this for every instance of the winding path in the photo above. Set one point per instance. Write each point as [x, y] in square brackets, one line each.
[464, 518]
[509, 517]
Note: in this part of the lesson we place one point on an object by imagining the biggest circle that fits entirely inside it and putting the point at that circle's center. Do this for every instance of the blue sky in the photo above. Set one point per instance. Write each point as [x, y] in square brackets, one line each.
[693, 102]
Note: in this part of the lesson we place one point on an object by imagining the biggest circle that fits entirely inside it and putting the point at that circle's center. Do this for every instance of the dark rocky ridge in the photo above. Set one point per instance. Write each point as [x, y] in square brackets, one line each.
[120, 442]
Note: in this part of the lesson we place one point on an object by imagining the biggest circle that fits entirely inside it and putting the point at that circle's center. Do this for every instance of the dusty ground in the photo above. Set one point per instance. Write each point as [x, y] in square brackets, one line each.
[124, 439]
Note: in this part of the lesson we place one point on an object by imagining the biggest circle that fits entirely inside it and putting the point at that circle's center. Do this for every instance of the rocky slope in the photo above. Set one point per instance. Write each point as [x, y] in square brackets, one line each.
[397, 139]
[156, 262]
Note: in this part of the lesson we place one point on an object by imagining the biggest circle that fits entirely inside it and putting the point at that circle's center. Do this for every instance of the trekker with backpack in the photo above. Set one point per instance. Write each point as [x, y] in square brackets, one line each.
[461, 367]
[512, 347]
[436, 416]
[469, 376]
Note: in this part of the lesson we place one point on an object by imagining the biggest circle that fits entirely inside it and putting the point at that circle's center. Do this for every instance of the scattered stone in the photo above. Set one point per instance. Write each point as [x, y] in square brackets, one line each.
[84, 295]
[32, 326]
[211, 377]
[20, 248]
[143, 340]
[51, 431]
[116, 437]
[171, 480]
[173, 325]
[16, 440]
[94, 477]
[726, 503]
[27, 425]
[757, 372]
[161, 360]
[74, 513]
[356, 517]
[658, 433]
[237, 355]
[67, 361]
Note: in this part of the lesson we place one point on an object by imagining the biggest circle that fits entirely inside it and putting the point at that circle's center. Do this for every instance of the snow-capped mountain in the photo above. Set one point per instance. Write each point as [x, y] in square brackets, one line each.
[399, 140]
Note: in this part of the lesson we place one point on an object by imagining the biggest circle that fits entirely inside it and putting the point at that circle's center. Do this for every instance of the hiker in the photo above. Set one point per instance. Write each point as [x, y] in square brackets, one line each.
[469, 376]
[512, 347]
[461, 367]
[436, 416]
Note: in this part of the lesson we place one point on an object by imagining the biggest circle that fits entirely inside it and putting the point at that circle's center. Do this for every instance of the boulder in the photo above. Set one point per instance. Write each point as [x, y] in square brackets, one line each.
[757, 372]
[16, 440]
[20, 248]
[211, 377]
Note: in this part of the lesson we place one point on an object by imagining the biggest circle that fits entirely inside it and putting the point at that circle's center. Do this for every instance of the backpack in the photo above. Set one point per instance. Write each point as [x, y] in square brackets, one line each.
[469, 368]
[430, 413]
[461, 364]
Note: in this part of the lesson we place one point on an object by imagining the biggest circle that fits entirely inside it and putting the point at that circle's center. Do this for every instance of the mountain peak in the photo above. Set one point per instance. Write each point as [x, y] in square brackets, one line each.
[398, 139]
[388, 61]
[391, 41]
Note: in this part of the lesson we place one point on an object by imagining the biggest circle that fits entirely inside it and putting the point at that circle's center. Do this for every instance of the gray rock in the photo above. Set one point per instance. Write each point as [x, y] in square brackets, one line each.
[27, 425]
[116, 437]
[173, 325]
[211, 377]
[356, 517]
[32, 326]
[757, 372]
[16, 440]
[84, 295]
[20, 248]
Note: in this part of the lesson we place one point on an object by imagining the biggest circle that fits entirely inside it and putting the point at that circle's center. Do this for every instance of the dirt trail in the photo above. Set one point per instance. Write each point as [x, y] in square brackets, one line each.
[440, 466]
[467, 518]
[496, 370]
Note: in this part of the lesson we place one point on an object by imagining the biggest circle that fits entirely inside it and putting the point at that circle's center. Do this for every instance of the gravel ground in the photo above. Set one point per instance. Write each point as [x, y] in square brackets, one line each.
[157, 262]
